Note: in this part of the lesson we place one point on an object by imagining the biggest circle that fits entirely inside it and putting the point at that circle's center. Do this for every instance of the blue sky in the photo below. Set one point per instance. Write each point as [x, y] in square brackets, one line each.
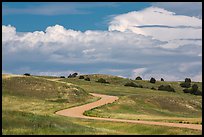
[75, 15]
[127, 39]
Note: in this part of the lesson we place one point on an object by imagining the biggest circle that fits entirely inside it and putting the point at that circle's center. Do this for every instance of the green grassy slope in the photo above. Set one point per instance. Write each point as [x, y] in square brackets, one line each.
[144, 103]
[119, 81]
[29, 103]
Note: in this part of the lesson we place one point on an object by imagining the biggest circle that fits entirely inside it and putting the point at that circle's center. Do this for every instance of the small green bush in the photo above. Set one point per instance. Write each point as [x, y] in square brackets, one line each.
[153, 88]
[81, 77]
[193, 90]
[87, 79]
[140, 86]
[185, 84]
[166, 88]
[131, 84]
[186, 90]
[101, 80]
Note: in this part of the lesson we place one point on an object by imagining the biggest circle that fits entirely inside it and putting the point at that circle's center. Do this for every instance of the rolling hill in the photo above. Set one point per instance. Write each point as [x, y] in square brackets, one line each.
[29, 104]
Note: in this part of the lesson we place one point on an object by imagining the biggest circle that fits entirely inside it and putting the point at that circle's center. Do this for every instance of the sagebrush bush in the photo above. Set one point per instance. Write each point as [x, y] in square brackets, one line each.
[101, 80]
[185, 84]
[193, 90]
[87, 79]
[131, 84]
[166, 88]
[81, 77]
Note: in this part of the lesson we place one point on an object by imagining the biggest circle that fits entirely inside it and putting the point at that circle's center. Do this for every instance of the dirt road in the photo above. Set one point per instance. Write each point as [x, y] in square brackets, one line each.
[105, 99]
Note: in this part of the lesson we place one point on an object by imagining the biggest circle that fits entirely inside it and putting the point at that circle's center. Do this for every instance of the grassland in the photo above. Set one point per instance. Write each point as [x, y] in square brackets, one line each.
[29, 103]
[144, 103]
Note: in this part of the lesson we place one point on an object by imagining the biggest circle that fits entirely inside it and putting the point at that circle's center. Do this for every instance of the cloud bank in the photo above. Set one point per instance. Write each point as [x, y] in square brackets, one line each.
[152, 42]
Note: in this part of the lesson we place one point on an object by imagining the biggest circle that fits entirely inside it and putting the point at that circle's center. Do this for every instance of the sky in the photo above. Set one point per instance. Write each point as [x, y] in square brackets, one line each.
[126, 39]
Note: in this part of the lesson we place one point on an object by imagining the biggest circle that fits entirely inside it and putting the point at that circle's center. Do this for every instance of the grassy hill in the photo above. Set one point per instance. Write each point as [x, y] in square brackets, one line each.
[144, 103]
[29, 103]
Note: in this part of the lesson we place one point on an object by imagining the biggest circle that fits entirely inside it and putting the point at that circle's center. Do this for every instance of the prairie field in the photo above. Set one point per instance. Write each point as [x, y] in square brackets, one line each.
[29, 104]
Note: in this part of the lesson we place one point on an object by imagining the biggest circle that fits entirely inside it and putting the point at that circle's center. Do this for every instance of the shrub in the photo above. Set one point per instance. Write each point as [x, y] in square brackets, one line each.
[195, 87]
[198, 93]
[140, 86]
[153, 88]
[62, 76]
[185, 84]
[87, 79]
[187, 80]
[152, 80]
[101, 80]
[131, 84]
[72, 75]
[138, 78]
[166, 88]
[81, 77]
[186, 90]
[27, 74]
[193, 90]
[162, 79]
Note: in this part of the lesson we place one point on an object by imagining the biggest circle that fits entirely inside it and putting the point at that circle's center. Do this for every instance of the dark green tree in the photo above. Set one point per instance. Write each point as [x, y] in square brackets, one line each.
[138, 78]
[87, 79]
[152, 80]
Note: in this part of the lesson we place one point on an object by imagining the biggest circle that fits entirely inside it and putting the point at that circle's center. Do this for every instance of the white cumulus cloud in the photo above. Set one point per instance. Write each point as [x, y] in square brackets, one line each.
[176, 30]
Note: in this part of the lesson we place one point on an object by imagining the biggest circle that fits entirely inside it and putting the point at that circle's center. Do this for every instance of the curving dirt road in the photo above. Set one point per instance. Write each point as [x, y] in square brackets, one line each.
[78, 111]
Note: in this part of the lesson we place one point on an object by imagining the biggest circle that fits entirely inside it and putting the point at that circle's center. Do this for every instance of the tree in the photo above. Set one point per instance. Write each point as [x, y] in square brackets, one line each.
[187, 80]
[27, 74]
[138, 78]
[72, 75]
[162, 79]
[62, 76]
[81, 77]
[87, 79]
[152, 80]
